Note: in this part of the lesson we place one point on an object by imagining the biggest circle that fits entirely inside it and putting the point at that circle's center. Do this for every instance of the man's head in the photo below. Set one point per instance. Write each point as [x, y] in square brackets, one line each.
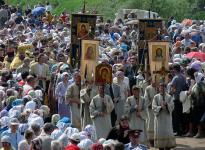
[77, 78]
[136, 91]
[26, 61]
[89, 84]
[48, 128]
[101, 90]
[162, 87]
[133, 61]
[41, 58]
[14, 124]
[29, 135]
[134, 136]
[176, 68]
[36, 129]
[46, 59]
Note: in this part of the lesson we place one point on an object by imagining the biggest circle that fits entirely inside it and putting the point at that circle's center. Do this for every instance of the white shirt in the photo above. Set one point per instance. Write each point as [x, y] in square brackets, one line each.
[26, 89]
[40, 69]
[23, 145]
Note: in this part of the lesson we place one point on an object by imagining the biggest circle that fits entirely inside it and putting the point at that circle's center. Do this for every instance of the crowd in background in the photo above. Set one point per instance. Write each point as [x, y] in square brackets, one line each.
[45, 105]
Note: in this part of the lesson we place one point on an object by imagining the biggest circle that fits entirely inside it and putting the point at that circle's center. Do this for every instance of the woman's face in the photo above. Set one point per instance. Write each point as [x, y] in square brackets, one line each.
[5, 145]
[124, 124]
[65, 78]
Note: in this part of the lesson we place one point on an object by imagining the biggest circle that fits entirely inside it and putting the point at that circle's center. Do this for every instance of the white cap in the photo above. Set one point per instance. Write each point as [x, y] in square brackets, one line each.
[75, 137]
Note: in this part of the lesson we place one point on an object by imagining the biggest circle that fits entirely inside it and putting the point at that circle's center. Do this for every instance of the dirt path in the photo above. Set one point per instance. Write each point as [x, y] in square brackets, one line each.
[189, 144]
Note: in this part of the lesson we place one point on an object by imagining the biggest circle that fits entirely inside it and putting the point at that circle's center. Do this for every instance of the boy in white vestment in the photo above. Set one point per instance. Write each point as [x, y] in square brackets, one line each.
[101, 107]
[135, 109]
[163, 106]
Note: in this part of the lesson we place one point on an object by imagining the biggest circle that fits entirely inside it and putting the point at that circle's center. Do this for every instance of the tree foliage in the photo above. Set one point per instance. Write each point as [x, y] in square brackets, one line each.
[180, 9]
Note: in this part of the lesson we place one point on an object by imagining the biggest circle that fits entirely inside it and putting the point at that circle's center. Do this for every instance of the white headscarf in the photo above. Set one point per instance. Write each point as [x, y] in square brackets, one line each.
[69, 131]
[30, 105]
[5, 121]
[90, 129]
[35, 119]
[56, 134]
[39, 94]
[85, 144]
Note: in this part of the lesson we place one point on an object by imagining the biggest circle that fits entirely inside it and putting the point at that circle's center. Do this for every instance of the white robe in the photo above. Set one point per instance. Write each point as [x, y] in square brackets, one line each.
[150, 92]
[136, 122]
[163, 131]
[102, 123]
[119, 107]
[74, 92]
[143, 84]
[85, 100]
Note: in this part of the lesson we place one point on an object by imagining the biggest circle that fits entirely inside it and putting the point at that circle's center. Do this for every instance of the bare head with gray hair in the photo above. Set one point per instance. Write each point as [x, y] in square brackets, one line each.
[56, 145]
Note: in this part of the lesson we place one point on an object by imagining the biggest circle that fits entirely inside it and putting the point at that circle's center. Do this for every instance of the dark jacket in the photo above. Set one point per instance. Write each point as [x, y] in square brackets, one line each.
[117, 133]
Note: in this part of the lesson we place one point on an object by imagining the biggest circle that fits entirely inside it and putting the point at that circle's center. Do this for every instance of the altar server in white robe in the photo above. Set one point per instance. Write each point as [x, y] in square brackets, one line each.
[123, 91]
[163, 130]
[135, 109]
[101, 107]
[73, 99]
[150, 92]
[86, 96]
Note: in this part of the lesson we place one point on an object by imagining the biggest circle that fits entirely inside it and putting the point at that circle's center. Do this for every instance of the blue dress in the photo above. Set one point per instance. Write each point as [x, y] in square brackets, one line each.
[63, 107]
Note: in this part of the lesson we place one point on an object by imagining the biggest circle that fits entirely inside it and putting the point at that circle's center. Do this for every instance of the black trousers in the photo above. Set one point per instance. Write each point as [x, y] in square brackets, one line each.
[177, 118]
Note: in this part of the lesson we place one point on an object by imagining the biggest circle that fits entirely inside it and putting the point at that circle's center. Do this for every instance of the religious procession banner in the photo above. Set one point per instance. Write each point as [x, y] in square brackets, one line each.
[149, 30]
[103, 74]
[82, 27]
[89, 59]
[158, 60]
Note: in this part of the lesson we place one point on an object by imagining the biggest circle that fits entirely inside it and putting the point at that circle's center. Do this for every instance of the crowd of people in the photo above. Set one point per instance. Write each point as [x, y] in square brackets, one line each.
[45, 104]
